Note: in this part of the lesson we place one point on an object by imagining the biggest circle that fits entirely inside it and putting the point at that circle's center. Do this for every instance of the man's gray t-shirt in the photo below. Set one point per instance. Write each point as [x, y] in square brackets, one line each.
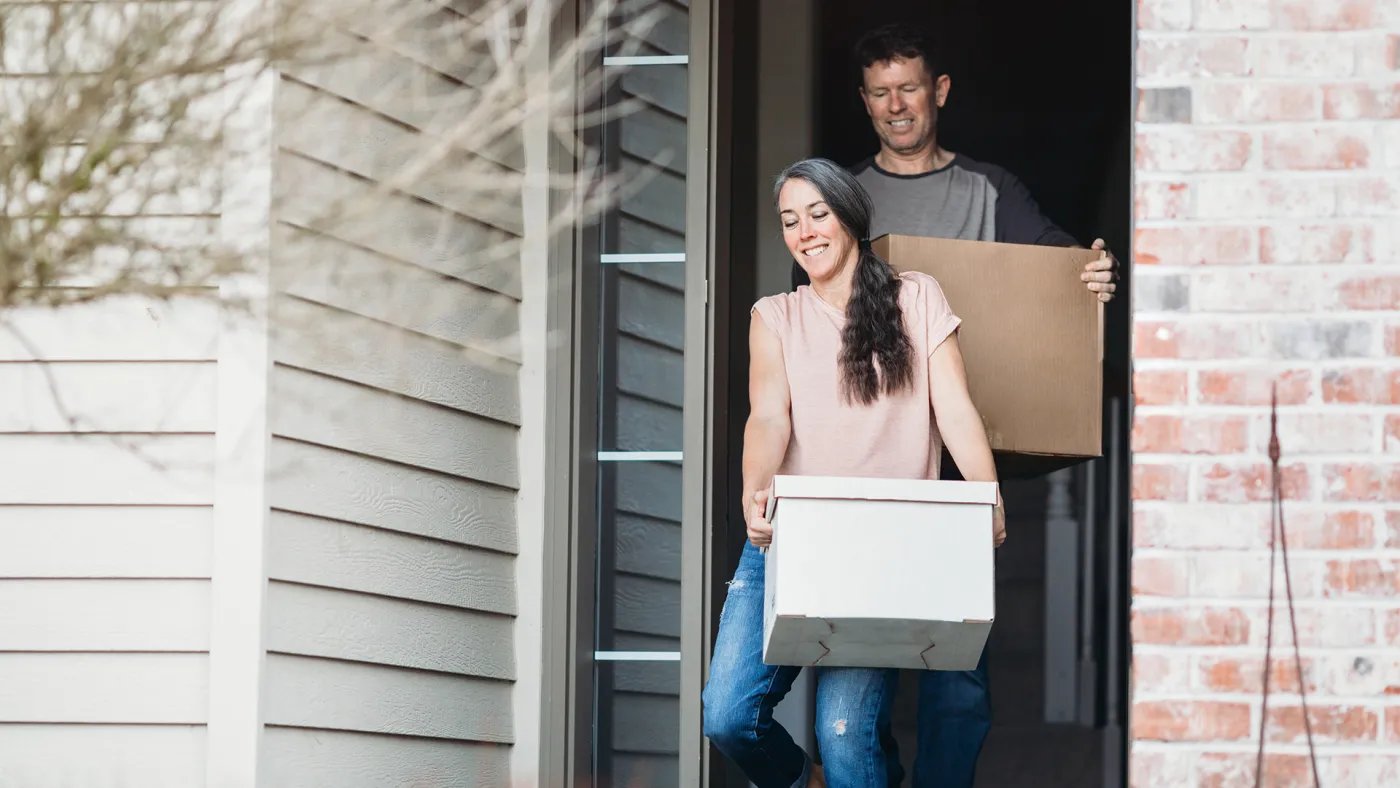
[966, 200]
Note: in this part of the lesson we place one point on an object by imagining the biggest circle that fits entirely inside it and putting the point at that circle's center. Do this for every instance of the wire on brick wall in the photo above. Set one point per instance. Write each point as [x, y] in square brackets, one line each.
[1278, 545]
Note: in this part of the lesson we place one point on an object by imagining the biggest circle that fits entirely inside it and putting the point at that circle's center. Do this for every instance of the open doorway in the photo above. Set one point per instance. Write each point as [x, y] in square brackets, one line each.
[1046, 91]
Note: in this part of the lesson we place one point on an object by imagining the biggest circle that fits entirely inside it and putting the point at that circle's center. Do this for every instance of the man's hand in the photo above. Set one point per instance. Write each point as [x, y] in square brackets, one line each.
[755, 516]
[999, 522]
[1101, 274]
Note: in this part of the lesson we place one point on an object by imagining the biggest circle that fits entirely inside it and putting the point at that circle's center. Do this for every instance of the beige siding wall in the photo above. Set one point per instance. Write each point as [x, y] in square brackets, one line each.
[108, 415]
[395, 415]
[106, 493]
[344, 491]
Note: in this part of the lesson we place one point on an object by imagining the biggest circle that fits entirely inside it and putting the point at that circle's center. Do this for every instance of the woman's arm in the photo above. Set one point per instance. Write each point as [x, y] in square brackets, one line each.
[768, 429]
[959, 422]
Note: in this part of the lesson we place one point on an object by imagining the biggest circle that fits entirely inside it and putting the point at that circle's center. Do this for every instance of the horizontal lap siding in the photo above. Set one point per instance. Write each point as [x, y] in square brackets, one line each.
[107, 460]
[394, 462]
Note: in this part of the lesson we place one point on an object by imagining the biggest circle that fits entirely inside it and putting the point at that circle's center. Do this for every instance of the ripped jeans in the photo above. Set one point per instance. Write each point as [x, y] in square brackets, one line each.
[742, 691]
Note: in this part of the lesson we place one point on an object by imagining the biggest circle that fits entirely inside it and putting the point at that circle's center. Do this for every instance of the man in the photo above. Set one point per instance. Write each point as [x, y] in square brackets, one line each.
[922, 189]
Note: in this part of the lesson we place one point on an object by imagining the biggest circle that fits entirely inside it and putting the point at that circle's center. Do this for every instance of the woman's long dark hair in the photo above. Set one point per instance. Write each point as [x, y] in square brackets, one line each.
[874, 321]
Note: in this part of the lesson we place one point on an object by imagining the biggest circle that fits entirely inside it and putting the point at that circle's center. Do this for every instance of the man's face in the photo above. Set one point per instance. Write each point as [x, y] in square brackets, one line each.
[903, 101]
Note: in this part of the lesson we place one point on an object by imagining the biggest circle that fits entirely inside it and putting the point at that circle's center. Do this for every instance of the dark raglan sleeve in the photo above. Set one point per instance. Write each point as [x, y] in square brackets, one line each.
[1019, 218]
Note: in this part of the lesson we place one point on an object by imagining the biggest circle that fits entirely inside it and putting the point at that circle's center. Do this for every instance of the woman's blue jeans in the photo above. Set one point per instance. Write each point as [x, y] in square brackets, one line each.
[742, 691]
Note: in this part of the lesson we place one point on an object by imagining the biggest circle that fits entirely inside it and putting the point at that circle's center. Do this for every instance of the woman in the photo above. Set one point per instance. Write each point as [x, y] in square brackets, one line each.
[858, 374]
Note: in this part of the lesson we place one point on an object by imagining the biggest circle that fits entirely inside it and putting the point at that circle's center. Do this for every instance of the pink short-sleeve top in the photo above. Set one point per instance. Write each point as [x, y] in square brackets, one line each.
[893, 437]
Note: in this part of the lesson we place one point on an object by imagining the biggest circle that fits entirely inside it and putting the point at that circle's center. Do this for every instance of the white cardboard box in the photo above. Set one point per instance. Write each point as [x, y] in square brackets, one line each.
[894, 573]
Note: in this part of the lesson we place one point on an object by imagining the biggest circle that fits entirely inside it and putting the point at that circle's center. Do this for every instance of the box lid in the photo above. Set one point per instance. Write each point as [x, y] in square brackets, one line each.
[869, 489]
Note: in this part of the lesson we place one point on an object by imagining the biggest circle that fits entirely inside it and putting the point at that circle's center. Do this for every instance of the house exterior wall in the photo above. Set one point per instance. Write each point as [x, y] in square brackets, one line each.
[395, 414]
[281, 548]
[108, 465]
[106, 559]
[1267, 203]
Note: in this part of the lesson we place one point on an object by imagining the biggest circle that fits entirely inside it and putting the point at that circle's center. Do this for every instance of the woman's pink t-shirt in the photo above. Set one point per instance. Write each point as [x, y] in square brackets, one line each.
[894, 437]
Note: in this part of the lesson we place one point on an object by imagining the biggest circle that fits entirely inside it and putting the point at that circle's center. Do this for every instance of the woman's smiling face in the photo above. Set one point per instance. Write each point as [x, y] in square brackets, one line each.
[813, 234]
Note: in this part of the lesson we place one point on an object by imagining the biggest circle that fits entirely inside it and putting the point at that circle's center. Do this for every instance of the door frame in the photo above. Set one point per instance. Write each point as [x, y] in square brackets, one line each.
[568, 721]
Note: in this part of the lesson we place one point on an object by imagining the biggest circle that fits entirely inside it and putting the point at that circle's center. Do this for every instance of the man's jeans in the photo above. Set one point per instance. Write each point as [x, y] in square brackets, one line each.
[742, 691]
[955, 713]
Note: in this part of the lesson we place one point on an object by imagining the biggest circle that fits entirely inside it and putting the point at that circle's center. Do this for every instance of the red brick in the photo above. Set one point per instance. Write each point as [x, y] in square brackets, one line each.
[1351, 676]
[1159, 388]
[1368, 293]
[1161, 673]
[1221, 483]
[1222, 626]
[1161, 434]
[1319, 433]
[1194, 246]
[1149, 527]
[1392, 340]
[1329, 627]
[1159, 769]
[1196, 340]
[1253, 386]
[1359, 102]
[1192, 150]
[1157, 434]
[1300, 56]
[1331, 15]
[1368, 196]
[1392, 434]
[1235, 675]
[1392, 627]
[1389, 134]
[1164, 14]
[1252, 197]
[1236, 770]
[1368, 578]
[1392, 725]
[1160, 576]
[1329, 723]
[1178, 58]
[1255, 290]
[1159, 482]
[1334, 243]
[1369, 769]
[1202, 527]
[1361, 386]
[1392, 529]
[1190, 720]
[1223, 574]
[1360, 482]
[1162, 200]
[1338, 530]
[1253, 102]
[1233, 15]
[1226, 574]
[1315, 149]
[1380, 54]
[1376, 54]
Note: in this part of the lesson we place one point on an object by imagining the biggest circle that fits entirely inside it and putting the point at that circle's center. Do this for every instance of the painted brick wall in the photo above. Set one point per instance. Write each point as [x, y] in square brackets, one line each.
[1268, 249]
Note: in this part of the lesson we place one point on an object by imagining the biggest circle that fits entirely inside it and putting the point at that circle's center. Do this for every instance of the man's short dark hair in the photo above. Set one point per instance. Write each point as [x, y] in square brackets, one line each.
[900, 40]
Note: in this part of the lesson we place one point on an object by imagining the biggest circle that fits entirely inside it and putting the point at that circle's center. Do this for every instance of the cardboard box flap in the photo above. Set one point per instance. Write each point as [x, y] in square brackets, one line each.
[863, 489]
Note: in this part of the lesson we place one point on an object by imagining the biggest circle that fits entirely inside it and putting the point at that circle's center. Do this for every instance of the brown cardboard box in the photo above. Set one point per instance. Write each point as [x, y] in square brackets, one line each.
[1032, 341]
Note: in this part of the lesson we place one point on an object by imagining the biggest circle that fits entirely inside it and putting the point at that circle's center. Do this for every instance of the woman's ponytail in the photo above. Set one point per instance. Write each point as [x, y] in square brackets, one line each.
[874, 331]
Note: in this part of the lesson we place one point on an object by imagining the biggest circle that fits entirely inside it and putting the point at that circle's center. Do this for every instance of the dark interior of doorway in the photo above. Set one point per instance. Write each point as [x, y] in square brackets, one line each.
[1046, 91]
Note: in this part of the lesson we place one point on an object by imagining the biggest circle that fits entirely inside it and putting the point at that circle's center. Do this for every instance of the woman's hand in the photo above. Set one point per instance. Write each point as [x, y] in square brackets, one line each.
[755, 518]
